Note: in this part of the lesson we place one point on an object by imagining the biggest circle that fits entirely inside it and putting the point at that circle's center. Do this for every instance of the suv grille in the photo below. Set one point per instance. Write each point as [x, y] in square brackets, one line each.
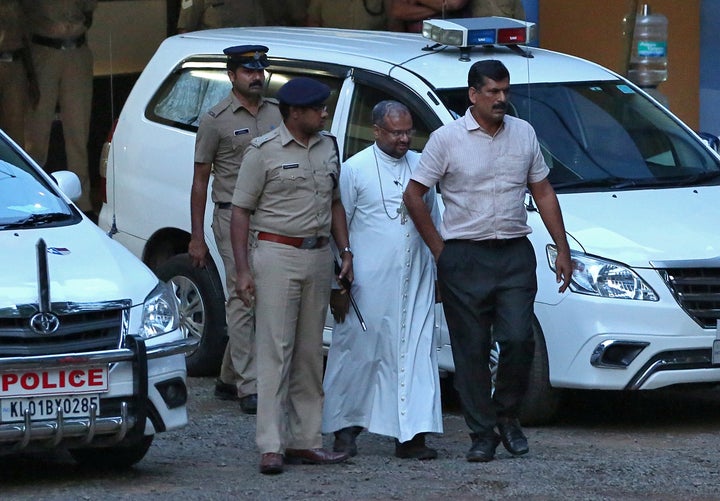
[82, 328]
[698, 292]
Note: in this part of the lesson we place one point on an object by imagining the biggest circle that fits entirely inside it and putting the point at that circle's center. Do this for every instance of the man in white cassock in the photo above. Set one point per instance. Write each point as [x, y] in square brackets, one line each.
[384, 379]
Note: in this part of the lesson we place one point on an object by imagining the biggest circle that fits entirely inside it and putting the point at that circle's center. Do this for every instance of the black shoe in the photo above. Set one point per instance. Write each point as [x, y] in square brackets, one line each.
[512, 436]
[225, 391]
[483, 448]
[248, 404]
[414, 449]
[345, 440]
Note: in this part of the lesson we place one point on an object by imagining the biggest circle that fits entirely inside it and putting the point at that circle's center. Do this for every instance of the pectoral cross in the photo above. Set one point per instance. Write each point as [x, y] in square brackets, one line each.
[402, 211]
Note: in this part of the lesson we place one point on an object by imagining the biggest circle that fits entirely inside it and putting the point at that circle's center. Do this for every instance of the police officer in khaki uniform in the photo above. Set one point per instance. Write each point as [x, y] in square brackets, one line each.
[18, 84]
[505, 8]
[288, 182]
[209, 14]
[222, 136]
[353, 14]
[64, 67]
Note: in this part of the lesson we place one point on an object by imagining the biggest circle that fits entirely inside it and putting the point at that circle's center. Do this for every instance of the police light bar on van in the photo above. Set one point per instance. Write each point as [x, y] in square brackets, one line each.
[474, 31]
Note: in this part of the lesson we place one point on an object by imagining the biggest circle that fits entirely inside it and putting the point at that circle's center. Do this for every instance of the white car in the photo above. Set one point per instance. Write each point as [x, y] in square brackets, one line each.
[92, 358]
[638, 189]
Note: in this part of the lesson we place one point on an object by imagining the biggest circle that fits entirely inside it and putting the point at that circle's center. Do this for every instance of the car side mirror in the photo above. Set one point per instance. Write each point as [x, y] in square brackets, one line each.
[69, 183]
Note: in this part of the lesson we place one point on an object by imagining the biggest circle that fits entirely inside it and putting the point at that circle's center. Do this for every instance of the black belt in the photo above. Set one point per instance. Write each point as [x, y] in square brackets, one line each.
[490, 242]
[8, 56]
[299, 242]
[59, 43]
[223, 205]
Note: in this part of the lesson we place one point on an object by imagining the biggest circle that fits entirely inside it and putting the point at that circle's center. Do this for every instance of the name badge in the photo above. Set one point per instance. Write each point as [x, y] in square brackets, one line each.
[290, 166]
[240, 132]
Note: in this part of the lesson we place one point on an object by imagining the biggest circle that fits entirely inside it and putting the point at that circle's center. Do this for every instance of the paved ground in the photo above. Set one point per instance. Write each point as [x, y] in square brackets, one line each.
[605, 446]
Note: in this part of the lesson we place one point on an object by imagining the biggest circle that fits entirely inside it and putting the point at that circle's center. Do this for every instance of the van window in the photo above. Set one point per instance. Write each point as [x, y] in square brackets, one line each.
[359, 133]
[191, 91]
[605, 134]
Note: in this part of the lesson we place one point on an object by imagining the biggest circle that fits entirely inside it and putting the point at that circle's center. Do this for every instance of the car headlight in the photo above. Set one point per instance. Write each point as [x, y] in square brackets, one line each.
[600, 277]
[160, 311]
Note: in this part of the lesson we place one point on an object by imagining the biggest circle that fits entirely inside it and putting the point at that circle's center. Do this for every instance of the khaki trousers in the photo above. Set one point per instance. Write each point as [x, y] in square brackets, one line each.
[65, 77]
[13, 99]
[292, 290]
[238, 365]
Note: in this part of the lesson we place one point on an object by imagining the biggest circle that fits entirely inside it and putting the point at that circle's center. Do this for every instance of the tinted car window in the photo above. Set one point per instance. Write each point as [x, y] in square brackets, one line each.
[604, 134]
[26, 199]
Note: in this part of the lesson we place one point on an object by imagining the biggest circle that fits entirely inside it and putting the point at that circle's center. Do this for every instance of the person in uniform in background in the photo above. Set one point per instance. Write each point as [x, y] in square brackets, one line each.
[354, 14]
[224, 133]
[288, 181]
[385, 379]
[64, 68]
[484, 163]
[504, 8]
[209, 14]
[408, 15]
[18, 82]
[286, 12]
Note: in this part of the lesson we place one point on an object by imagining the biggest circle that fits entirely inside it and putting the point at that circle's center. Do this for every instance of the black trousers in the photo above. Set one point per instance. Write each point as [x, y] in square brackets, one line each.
[488, 290]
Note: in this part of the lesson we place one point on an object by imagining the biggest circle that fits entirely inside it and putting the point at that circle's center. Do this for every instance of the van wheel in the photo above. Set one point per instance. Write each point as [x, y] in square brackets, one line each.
[202, 311]
[542, 401]
[112, 458]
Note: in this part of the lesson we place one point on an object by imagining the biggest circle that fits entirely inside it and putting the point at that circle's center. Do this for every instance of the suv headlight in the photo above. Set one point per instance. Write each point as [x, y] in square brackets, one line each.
[160, 311]
[595, 276]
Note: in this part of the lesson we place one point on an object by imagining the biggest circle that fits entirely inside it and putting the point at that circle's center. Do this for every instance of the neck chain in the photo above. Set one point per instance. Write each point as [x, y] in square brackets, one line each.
[398, 181]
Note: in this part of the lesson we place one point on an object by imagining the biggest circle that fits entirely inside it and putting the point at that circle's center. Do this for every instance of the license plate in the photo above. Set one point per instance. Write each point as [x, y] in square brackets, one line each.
[43, 408]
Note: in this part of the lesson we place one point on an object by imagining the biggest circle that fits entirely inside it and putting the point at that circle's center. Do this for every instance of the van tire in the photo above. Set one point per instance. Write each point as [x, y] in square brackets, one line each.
[202, 311]
[542, 402]
[112, 458]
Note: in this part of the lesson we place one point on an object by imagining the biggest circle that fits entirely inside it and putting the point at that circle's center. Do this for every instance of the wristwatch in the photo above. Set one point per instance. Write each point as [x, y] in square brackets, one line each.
[346, 249]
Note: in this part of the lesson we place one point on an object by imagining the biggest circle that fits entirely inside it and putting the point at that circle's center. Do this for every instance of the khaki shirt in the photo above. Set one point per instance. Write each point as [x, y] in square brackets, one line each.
[483, 178]
[505, 8]
[290, 187]
[224, 133]
[60, 19]
[208, 14]
[12, 23]
[348, 14]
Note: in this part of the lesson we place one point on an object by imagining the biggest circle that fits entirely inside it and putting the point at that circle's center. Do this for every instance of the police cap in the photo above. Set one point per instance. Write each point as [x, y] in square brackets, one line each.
[253, 57]
[303, 91]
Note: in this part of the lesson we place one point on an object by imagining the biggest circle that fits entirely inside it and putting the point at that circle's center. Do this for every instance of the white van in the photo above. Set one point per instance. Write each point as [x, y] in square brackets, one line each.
[92, 358]
[638, 189]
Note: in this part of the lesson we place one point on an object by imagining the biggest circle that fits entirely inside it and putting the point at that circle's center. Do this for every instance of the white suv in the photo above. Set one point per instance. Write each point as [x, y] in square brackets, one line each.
[638, 189]
[92, 358]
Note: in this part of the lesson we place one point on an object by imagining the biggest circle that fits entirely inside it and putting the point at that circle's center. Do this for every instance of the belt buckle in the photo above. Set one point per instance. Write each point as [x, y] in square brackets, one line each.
[68, 44]
[309, 243]
[6, 57]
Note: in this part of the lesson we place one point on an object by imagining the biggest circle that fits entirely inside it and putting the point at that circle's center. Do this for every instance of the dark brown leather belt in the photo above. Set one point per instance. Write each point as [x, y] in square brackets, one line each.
[223, 205]
[299, 242]
[59, 43]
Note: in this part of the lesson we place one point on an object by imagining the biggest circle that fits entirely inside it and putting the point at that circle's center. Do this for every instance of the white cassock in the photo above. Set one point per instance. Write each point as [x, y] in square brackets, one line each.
[385, 379]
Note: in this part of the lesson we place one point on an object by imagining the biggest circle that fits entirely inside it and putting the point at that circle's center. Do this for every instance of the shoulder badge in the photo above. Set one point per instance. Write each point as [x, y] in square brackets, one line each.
[219, 108]
[260, 140]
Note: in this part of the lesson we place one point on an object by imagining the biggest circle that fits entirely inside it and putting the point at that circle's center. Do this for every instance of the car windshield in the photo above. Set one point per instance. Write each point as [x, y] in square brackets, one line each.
[26, 199]
[605, 135]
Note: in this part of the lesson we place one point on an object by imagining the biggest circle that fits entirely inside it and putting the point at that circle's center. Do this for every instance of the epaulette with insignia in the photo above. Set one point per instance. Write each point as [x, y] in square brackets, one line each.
[260, 140]
[271, 100]
[220, 107]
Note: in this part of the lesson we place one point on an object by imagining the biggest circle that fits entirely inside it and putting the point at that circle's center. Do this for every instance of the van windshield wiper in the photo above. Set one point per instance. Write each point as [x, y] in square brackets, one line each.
[38, 220]
[605, 182]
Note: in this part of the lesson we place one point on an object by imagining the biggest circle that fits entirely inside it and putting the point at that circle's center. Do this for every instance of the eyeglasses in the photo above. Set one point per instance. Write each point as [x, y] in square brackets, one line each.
[320, 109]
[397, 134]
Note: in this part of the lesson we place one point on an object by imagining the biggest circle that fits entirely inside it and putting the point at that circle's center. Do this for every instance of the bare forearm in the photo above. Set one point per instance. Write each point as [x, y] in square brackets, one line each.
[420, 215]
[198, 199]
